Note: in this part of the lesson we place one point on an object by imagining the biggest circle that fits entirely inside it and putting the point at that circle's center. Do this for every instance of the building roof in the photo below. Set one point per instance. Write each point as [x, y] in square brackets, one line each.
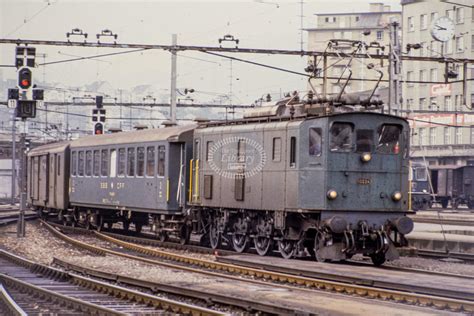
[357, 13]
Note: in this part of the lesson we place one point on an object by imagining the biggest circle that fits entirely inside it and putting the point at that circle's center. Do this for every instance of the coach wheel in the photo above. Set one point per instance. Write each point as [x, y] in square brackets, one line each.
[286, 248]
[454, 204]
[215, 237]
[162, 236]
[240, 242]
[138, 228]
[109, 225]
[263, 245]
[318, 245]
[184, 234]
[100, 223]
[126, 225]
[378, 259]
[470, 204]
[444, 203]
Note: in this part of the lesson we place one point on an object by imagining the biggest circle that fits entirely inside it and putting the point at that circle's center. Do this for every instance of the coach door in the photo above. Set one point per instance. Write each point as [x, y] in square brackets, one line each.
[194, 196]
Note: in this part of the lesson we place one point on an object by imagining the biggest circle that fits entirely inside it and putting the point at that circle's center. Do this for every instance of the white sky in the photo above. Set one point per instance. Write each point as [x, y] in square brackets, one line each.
[261, 25]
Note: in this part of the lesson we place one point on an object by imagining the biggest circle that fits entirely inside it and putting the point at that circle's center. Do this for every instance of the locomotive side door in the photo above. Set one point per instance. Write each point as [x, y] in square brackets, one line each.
[194, 186]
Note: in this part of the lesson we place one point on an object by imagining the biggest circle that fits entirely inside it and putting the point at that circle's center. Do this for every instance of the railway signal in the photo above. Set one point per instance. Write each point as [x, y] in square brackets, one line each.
[98, 128]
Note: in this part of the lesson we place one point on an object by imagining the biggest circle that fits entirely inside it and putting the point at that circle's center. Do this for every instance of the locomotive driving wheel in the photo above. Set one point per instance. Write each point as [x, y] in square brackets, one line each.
[378, 258]
[287, 248]
[240, 242]
[318, 245]
[215, 237]
[263, 245]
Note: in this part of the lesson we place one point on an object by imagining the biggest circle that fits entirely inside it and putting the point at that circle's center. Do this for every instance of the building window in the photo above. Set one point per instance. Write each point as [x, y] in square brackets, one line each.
[434, 74]
[433, 106]
[423, 76]
[330, 19]
[411, 24]
[472, 134]
[458, 139]
[460, 44]
[472, 42]
[104, 163]
[140, 161]
[357, 19]
[131, 162]
[457, 102]
[450, 14]
[421, 136]
[434, 48]
[379, 35]
[448, 47]
[96, 164]
[409, 104]
[423, 22]
[423, 49]
[276, 150]
[432, 135]
[434, 16]
[422, 104]
[150, 161]
[447, 103]
[459, 15]
[410, 78]
[161, 160]
[447, 135]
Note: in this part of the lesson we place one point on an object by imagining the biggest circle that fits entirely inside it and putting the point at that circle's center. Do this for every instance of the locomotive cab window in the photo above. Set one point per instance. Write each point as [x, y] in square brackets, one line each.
[293, 152]
[276, 152]
[364, 140]
[421, 174]
[341, 137]
[315, 141]
[389, 139]
[209, 146]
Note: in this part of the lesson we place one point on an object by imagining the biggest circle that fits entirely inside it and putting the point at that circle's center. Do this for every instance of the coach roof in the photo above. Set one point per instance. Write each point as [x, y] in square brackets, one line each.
[170, 134]
[49, 148]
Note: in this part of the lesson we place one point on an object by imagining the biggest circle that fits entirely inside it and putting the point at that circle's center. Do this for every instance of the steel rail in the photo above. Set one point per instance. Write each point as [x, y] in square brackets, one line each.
[153, 286]
[57, 298]
[441, 254]
[10, 303]
[102, 287]
[434, 220]
[321, 284]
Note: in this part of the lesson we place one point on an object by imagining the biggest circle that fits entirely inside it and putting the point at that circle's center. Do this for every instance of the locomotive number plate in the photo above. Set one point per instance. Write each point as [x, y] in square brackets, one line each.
[363, 181]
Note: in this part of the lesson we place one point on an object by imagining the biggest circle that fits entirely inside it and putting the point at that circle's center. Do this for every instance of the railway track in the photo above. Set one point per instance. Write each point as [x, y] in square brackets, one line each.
[13, 218]
[469, 257]
[60, 292]
[408, 295]
[443, 221]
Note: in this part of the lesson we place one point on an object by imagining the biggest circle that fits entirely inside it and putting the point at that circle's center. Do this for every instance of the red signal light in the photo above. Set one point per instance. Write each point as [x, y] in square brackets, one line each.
[98, 132]
[25, 83]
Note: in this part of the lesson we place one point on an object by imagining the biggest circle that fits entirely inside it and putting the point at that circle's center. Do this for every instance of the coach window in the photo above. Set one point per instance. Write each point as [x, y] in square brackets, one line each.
[315, 141]
[88, 163]
[292, 152]
[80, 164]
[161, 161]
[113, 163]
[121, 162]
[140, 161]
[74, 163]
[341, 137]
[389, 139]
[150, 161]
[96, 163]
[364, 140]
[276, 150]
[104, 163]
[131, 162]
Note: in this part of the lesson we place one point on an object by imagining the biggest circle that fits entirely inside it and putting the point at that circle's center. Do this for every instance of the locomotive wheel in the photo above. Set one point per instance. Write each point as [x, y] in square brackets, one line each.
[239, 242]
[263, 245]
[184, 234]
[100, 225]
[286, 248]
[319, 244]
[470, 205]
[138, 228]
[215, 238]
[126, 225]
[378, 259]
[163, 236]
[444, 203]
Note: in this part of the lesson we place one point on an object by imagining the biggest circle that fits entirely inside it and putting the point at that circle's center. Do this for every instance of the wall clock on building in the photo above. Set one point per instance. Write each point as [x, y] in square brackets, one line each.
[442, 29]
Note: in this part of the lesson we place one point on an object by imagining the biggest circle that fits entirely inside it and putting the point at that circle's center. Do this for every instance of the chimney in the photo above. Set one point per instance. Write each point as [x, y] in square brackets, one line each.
[376, 7]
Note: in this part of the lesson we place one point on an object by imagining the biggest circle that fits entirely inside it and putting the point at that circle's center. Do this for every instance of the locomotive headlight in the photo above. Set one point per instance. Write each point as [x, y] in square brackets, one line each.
[366, 157]
[396, 196]
[332, 194]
